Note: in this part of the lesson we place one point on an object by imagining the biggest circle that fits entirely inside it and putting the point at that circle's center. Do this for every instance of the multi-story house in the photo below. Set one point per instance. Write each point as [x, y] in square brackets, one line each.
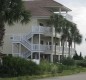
[35, 40]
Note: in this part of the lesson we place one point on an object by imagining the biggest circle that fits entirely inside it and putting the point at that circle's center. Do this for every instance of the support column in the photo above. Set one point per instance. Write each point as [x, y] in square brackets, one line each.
[60, 11]
[39, 48]
[20, 50]
[52, 46]
[31, 55]
[32, 48]
[59, 57]
[60, 43]
[12, 49]
[74, 45]
[66, 43]
[59, 46]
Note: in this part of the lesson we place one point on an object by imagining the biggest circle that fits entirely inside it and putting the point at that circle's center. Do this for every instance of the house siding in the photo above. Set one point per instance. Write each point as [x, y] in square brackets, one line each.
[16, 29]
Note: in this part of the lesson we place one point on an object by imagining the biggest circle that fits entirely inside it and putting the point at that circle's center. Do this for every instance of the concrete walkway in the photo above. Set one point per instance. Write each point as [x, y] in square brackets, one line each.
[80, 76]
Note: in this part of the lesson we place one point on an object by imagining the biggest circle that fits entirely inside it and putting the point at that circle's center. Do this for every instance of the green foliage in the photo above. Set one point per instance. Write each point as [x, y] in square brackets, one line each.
[81, 63]
[68, 61]
[12, 11]
[77, 57]
[45, 66]
[14, 66]
[54, 68]
[60, 68]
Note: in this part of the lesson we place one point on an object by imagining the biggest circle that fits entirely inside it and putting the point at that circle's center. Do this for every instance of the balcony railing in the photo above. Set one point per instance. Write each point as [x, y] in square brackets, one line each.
[41, 29]
[37, 47]
[44, 48]
[66, 49]
[67, 16]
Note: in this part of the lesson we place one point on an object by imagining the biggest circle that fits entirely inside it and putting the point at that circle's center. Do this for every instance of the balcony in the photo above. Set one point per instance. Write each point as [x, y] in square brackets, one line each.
[41, 48]
[67, 16]
[48, 31]
[66, 49]
[46, 48]
[41, 29]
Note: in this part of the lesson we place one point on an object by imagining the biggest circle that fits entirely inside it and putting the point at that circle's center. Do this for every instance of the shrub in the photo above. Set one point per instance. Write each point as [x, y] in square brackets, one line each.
[68, 61]
[15, 66]
[54, 68]
[60, 68]
[45, 66]
[81, 63]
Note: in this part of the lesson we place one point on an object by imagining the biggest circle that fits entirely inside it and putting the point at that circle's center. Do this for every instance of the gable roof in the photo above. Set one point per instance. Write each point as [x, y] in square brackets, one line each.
[35, 9]
[44, 7]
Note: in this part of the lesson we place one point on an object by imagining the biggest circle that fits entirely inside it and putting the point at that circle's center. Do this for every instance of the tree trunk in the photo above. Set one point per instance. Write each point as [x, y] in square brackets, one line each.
[62, 49]
[55, 43]
[55, 47]
[69, 50]
[74, 46]
[2, 32]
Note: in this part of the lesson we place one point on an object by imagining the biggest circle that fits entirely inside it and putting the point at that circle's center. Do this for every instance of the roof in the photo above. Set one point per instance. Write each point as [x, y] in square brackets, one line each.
[44, 7]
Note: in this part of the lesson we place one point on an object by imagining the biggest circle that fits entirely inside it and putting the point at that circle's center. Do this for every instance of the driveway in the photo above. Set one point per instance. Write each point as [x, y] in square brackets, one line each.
[80, 76]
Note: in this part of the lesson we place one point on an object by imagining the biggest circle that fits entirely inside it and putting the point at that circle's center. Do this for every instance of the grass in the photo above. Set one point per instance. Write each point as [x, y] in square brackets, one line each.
[19, 78]
[64, 73]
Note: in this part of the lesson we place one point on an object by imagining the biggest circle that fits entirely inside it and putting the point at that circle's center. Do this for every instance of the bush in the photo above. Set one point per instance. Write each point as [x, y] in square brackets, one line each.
[15, 66]
[45, 66]
[68, 61]
[81, 63]
[60, 68]
[54, 68]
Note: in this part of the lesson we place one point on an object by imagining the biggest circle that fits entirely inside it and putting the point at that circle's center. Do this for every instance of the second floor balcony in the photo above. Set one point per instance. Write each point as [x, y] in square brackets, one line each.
[48, 31]
[46, 48]
[41, 29]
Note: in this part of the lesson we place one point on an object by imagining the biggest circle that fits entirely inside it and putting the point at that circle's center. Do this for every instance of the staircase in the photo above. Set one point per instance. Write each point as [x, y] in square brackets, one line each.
[24, 40]
[26, 55]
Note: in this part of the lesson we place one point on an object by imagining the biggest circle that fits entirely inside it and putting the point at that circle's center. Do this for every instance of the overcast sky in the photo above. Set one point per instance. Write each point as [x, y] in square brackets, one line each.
[79, 17]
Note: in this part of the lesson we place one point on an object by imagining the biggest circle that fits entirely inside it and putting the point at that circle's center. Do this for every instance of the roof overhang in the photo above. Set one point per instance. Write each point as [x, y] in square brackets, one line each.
[58, 8]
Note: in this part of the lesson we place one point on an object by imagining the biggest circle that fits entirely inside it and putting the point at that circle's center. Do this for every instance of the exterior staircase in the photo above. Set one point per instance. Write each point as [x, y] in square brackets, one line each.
[24, 40]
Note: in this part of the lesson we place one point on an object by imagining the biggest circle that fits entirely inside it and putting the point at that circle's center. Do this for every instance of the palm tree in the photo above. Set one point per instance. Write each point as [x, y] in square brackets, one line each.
[12, 11]
[77, 38]
[68, 33]
[57, 21]
[64, 35]
[74, 36]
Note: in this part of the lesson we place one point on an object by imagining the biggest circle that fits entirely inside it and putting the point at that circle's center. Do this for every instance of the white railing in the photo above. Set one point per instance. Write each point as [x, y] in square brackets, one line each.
[66, 49]
[25, 54]
[37, 47]
[67, 16]
[26, 44]
[41, 29]
[19, 38]
[28, 36]
[29, 46]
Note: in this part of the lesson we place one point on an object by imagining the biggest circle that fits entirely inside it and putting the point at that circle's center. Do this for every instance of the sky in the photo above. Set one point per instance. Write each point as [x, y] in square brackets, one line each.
[78, 12]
